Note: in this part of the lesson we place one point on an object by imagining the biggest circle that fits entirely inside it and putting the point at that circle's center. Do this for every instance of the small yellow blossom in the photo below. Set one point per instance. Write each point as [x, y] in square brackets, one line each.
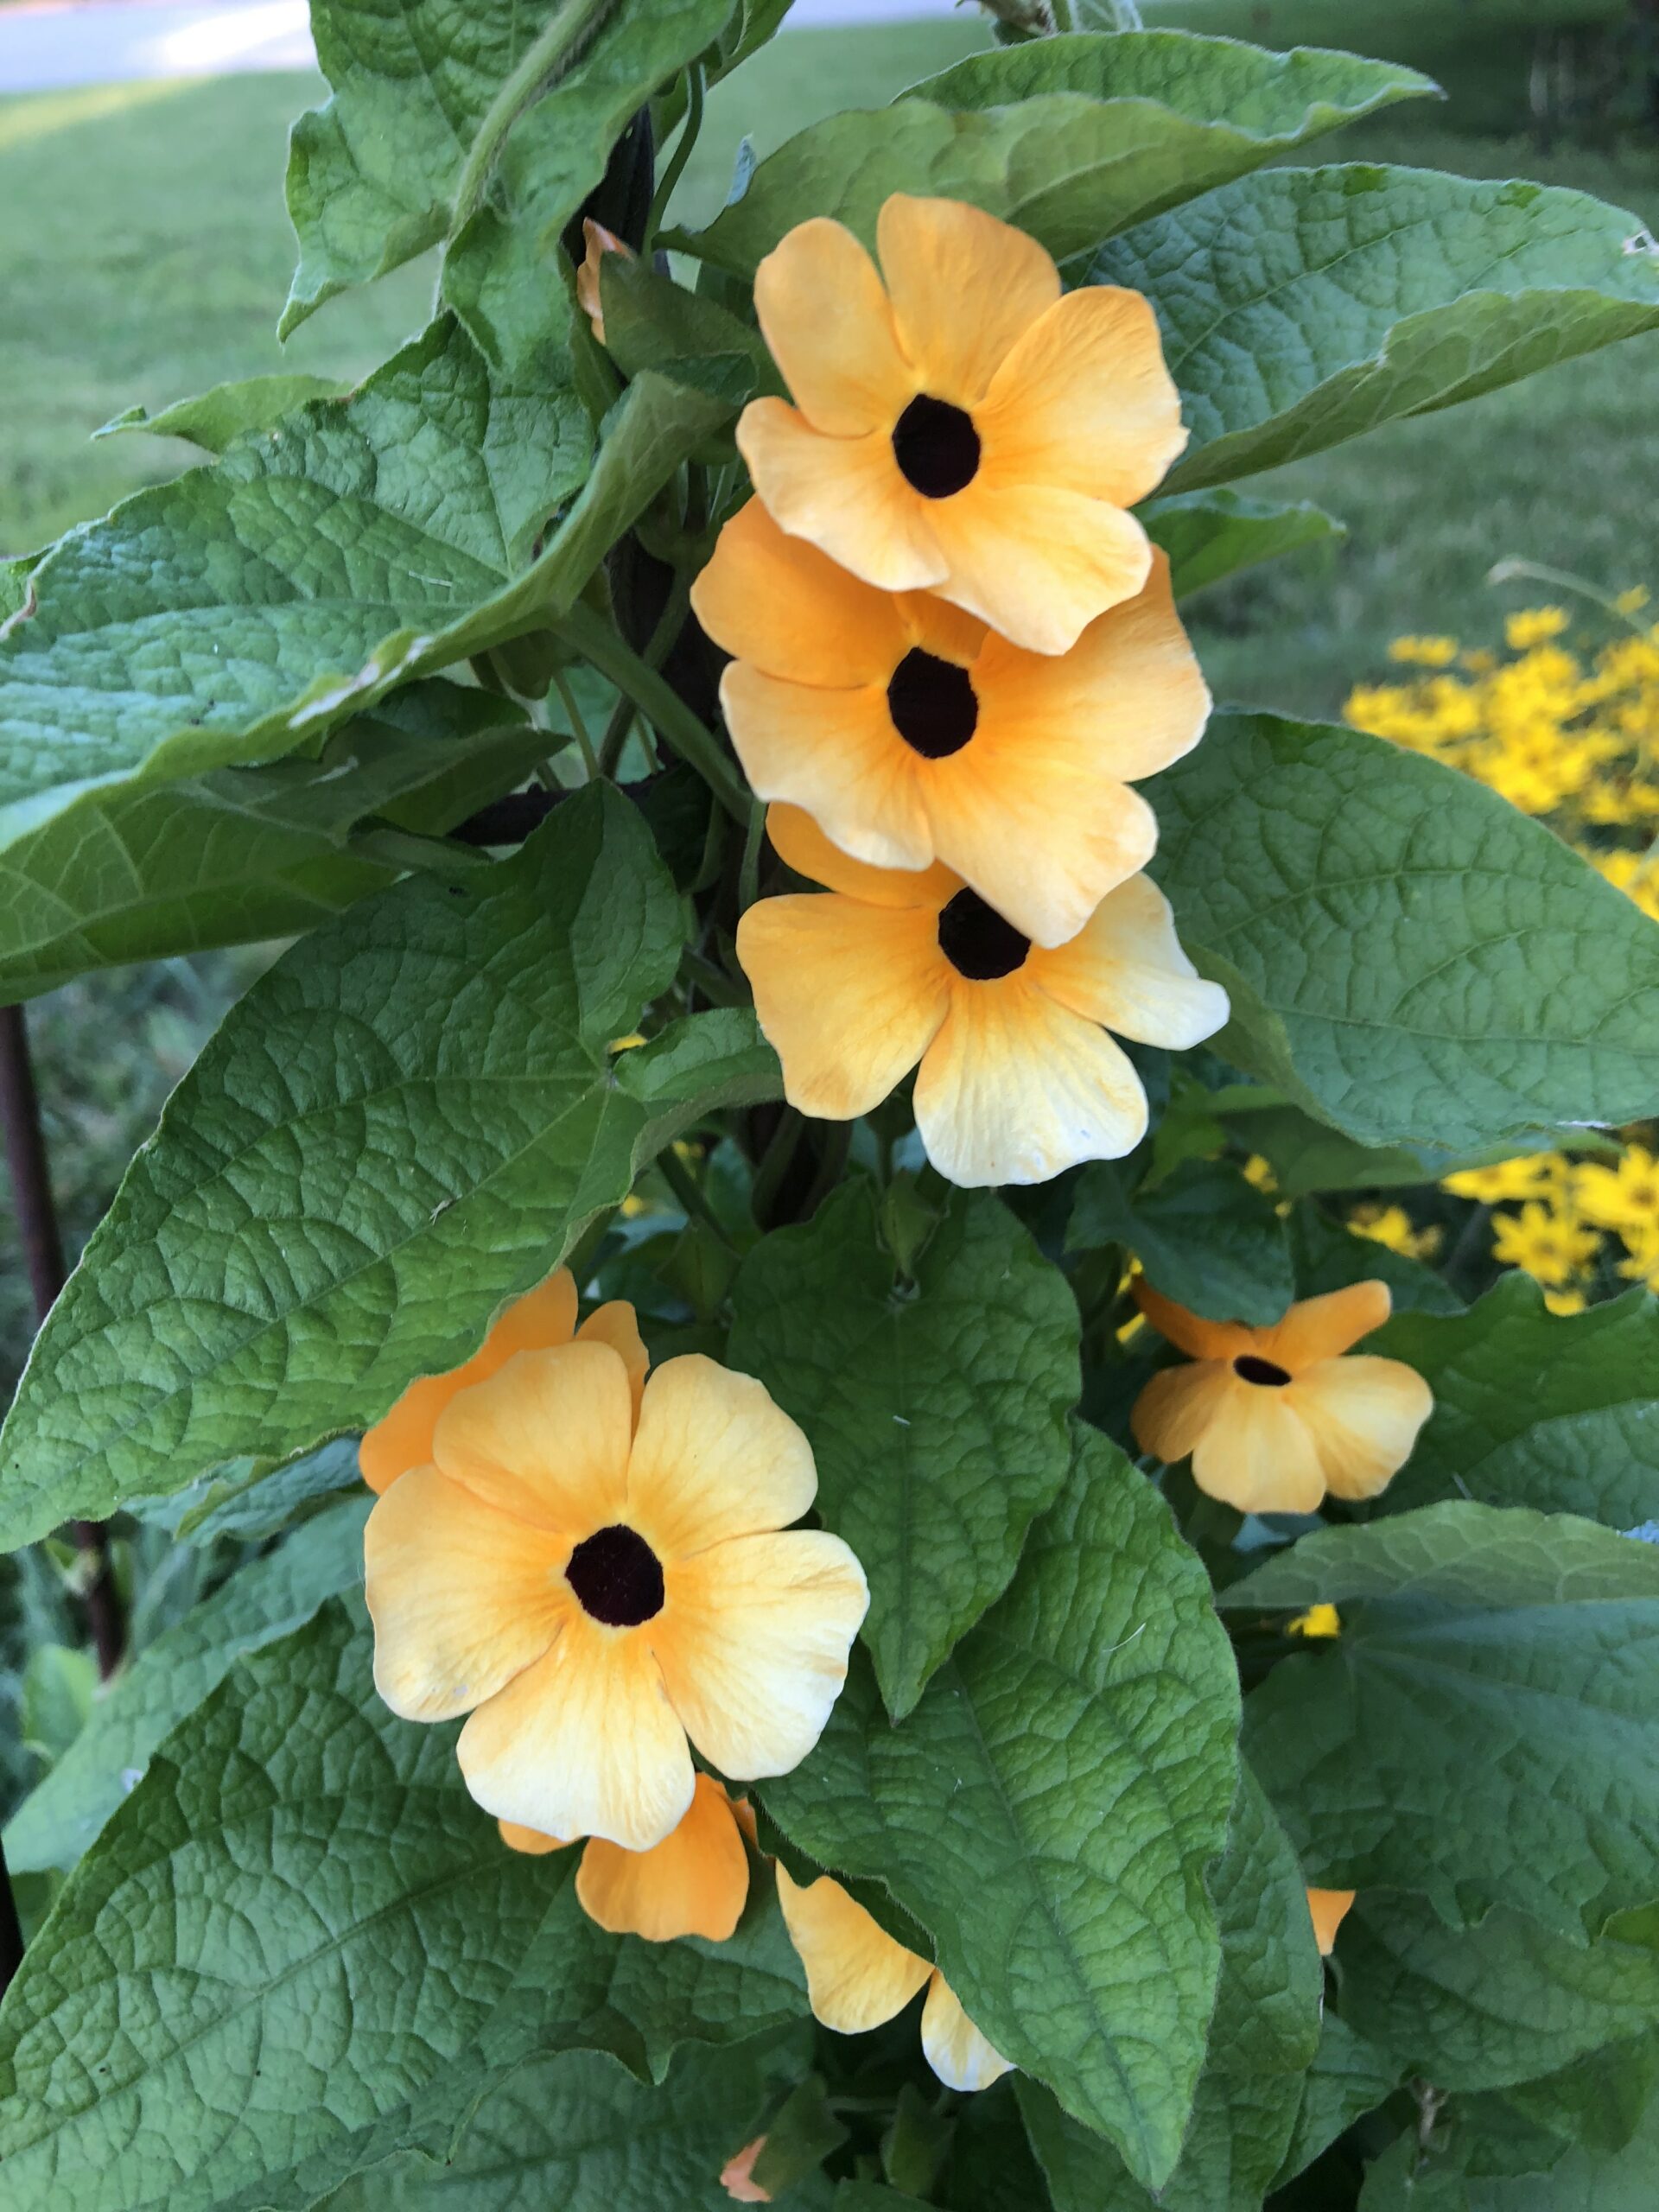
[1317, 1620]
[1566, 1302]
[1257, 1172]
[1623, 1197]
[1392, 1227]
[1527, 1177]
[1631, 601]
[1425, 652]
[1549, 1245]
[1534, 626]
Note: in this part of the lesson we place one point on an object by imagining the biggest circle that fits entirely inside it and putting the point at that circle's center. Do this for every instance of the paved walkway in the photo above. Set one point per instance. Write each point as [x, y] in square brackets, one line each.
[114, 42]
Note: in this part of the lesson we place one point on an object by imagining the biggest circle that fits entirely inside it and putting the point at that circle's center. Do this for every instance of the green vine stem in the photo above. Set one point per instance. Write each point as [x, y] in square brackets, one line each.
[601, 645]
[567, 35]
[681, 154]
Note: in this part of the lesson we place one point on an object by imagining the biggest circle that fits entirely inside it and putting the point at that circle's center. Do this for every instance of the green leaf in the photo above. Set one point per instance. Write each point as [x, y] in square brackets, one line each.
[1531, 1408]
[1205, 1236]
[248, 1500]
[1048, 1810]
[1477, 1732]
[650, 322]
[1071, 138]
[296, 1920]
[937, 1414]
[1586, 2180]
[1304, 306]
[408, 1121]
[1330, 1257]
[1309, 1157]
[1209, 535]
[1262, 2036]
[578, 2132]
[1598, 2099]
[243, 610]
[504, 268]
[242, 855]
[991, 2168]
[213, 419]
[1349, 2077]
[1410, 957]
[270, 1599]
[1481, 2008]
[1407, 2178]
[59, 1685]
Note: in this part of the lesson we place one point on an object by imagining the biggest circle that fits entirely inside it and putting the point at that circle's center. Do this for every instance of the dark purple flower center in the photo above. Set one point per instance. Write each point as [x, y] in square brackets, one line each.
[1260, 1370]
[617, 1577]
[936, 447]
[977, 942]
[933, 704]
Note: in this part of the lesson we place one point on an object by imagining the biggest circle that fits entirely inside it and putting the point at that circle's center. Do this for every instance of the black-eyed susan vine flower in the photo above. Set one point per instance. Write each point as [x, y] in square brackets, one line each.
[537, 1322]
[593, 1595]
[695, 1882]
[912, 734]
[859, 1977]
[1328, 1908]
[960, 426]
[887, 971]
[1273, 1418]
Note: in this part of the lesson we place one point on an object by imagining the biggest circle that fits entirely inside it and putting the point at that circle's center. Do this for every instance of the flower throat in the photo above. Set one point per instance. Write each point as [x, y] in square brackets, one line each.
[977, 942]
[617, 1577]
[937, 447]
[934, 706]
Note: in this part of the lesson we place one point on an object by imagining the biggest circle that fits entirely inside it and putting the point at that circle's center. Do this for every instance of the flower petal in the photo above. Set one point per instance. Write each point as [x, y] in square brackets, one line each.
[801, 845]
[1176, 1408]
[845, 495]
[531, 1842]
[824, 313]
[1016, 1089]
[964, 287]
[1191, 1332]
[584, 1743]
[547, 1438]
[835, 755]
[403, 1438]
[1364, 1415]
[850, 996]
[1325, 1328]
[617, 1325]
[857, 1977]
[959, 2054]
[753, 1642]
[1125, 968]
[1083, 401]
[1038, 562]
[695, 1883]
[714, 1458]
[1258, 1455]
[462, 1598]
[1328, 1908]
[779, 602]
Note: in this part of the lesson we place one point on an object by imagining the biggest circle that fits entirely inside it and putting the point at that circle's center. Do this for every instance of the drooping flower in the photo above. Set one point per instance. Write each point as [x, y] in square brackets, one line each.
[1018, 1078]
[694, 1883]
[959, 426]
[592, 1596]
[910, 733]
[599, 242]
[1275, 1417]
[858, 1976]
[545, 1317]
[1328, 1908]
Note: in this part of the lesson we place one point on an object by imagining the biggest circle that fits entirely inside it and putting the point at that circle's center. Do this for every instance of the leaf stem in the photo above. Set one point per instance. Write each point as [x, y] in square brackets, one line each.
[748, 874]
[578, 727]
[694, 1203]
[545, 60]
[599, 642]
[677, 159]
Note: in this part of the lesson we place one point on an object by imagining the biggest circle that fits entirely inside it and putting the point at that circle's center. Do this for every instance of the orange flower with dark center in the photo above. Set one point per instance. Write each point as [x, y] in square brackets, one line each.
[1019, 1078]
[960, 426]
[695, 1882]
[911, 732]
[1274, 1418]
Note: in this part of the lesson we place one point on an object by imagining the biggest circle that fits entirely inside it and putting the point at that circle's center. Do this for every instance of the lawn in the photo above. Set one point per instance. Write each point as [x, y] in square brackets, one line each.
[146, 254]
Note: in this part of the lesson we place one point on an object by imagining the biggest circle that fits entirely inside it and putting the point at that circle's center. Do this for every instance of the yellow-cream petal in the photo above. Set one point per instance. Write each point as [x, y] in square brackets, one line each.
[1083, 401]
[714, 1458]
[857, 1977]
[1325, 1328]
[960, 2056]
[1016, 1089]
[1221, 1340]
[462, 1598]
[835, 755]
[695, 1883]
[584, 1743]
[617, 1325]
[1176, 1408]
[845, 495]
[1257, 1454]
[779, 602]
[1125, 968]
[801, 845]
[965, 288]
[543, 1317]
[531, 1842]
[1364, 1415]
[545, 1440]
[753, 1641]
[850, 996]
[825, 318]
[1328, 1908]
[1129, 696]
[1038, 562]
